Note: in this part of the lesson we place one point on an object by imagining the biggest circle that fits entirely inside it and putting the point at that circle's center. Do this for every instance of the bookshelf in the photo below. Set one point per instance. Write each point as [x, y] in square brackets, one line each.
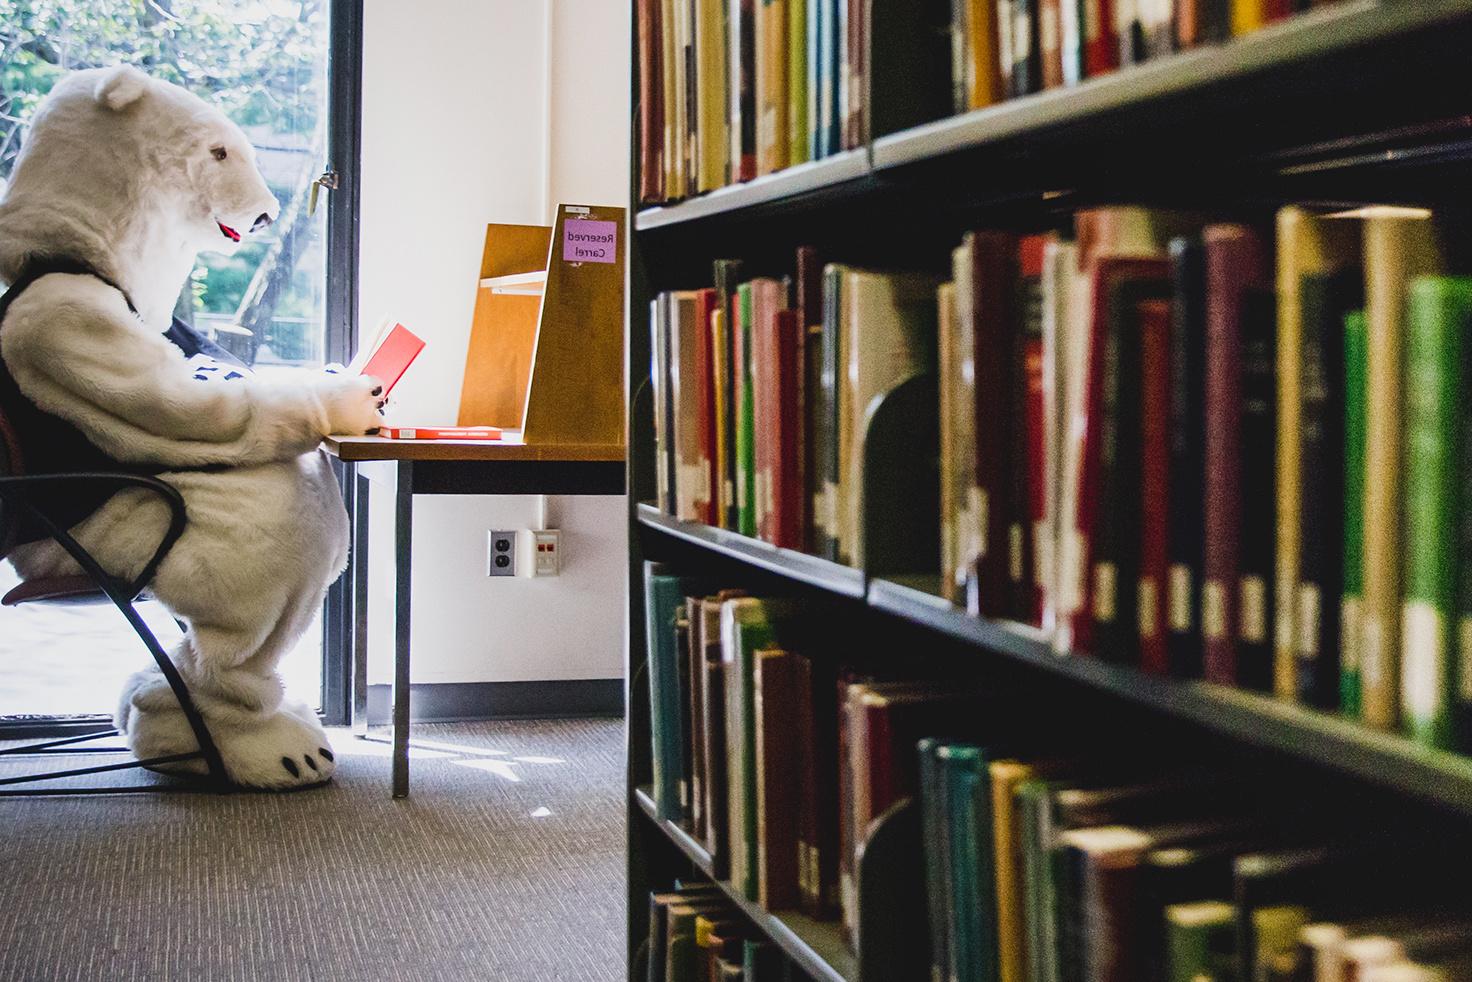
[1354, 99]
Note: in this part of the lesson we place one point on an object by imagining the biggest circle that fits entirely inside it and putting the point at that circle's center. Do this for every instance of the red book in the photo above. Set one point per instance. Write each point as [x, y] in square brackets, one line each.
[651, 105]
[393, 357]
[1277, 9]
[489, 433]
[1028, 505]
[993, 285]
[739, 363]
[788, 497]
[809, 303]
[705, 306]
[767, 298]
[1101, 41]
[1155, 381]
[858, 40]
[1108, 272]
[1236, 263]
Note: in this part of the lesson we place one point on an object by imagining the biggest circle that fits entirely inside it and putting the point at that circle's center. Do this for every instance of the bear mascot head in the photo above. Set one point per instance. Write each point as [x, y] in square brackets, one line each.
[134, 177]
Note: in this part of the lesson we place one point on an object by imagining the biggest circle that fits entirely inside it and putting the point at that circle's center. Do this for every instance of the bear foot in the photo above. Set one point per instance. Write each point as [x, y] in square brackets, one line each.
[279, 751]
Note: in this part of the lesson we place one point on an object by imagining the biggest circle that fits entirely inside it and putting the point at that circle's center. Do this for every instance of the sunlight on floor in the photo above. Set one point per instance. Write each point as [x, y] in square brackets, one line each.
[68, 661]
[475, 758]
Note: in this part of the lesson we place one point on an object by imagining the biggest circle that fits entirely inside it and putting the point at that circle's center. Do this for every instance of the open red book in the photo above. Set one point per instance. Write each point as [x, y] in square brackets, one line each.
[393, 350]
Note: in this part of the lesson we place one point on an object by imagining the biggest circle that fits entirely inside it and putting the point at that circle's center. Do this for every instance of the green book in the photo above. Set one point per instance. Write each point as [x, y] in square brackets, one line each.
[1437, 321]
[748, 625]
[966, 781]
[745, 432]
[934, 824]
[664, 595]
[799, 133]
[1198, 940]
[1350, 617]
[1032, 801]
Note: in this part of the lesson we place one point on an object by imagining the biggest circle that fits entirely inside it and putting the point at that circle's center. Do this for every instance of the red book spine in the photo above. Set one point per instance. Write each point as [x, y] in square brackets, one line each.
[1155, 382]
[787, 494]
[651, 105]
[993, 284]
[1278, 9]
[858, 36]
[1101, 44]
[705, 306]
[1036, 481]
[1223, 498]
[738, 385]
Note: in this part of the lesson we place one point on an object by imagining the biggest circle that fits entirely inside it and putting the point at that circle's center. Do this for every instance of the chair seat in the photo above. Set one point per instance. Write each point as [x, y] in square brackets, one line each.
[55, 589]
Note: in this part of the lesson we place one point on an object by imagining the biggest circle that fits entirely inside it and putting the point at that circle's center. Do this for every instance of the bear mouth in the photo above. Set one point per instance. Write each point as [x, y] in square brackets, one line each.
[227, 231]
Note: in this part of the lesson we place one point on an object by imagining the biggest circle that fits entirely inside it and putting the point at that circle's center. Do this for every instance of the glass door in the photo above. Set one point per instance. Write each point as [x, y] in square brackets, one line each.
[270, 65]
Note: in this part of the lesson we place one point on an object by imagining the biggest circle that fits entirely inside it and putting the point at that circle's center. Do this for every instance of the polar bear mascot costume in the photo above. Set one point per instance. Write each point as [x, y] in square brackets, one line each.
[122, 181]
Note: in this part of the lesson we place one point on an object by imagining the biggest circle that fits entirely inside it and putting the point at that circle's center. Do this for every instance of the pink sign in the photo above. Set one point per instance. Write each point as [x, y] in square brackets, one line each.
[587, 241]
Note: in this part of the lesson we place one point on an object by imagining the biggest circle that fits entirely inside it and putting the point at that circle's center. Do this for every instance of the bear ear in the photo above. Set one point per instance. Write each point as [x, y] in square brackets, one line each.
[121, 86]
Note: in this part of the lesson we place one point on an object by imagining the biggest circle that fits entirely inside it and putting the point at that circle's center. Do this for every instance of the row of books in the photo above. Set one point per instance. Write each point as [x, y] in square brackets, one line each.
[733, 89]
[1042, 862]
[696, 935]
[1002, 49]
[1051, 867]
[730, 89]
[1206, 449]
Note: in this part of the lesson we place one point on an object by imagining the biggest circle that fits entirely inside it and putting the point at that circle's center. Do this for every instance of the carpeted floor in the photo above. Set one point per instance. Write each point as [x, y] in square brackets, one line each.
[505, 864]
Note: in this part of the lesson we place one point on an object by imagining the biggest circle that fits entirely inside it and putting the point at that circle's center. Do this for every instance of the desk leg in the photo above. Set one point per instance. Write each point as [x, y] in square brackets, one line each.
[403, 560]
[359, 709]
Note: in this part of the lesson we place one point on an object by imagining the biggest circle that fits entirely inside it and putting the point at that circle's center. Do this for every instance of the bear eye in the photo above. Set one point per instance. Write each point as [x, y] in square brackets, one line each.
[219, 153]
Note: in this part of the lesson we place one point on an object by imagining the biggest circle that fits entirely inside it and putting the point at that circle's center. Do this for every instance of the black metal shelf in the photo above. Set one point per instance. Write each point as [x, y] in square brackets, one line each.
[817, 947]
[833, 577]
[815, 176]
[1316, 737]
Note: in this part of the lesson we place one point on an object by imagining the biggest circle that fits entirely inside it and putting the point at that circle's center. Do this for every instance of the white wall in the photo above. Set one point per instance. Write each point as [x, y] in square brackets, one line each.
[457, 96]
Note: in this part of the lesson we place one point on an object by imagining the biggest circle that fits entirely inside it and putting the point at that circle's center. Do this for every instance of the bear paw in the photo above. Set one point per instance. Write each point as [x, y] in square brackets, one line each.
[352, 403]
[282, 750]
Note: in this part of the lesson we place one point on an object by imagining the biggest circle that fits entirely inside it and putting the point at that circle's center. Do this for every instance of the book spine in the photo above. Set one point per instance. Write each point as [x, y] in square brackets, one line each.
[1247, 16]
[651, 104]
[985, 85]
[721, 416]
[934, 827]
[712, 141]
[825, 430]
[670, 85]
[1350, 633]
[1050, 42]
[1187, 443]
[808, 739]
[799, 148]
[1100, 38]
[1026, 77]
[706, 495]
[1256, 568]
[692, 664]
[1071, 28]
[659, 382]
[993, 275]
[775, 715]
[1155, 376]
[1325, 301]
[745, 432]
[1026, 528]
[688, 95]
[1437, 316]
[727, 272]
[664, 695]
[763, 405]
[1395, 250]
[960, 57]
[787, 487]
[1127, 14]
[809, 286]
[1006, 48]
[1223, 501]
[743, 91]
[813, 76]
[855, 130]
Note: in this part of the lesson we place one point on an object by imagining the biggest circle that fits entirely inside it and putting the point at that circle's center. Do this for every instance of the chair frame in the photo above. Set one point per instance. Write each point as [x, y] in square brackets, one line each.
[15, 492]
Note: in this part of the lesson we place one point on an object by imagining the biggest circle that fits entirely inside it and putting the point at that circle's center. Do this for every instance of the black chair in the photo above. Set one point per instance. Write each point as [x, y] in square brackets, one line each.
[94, 585]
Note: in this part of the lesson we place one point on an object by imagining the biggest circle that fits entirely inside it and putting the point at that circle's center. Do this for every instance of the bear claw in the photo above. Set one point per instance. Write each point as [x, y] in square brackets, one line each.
[310, 762]
[326, 753]
[291, 767]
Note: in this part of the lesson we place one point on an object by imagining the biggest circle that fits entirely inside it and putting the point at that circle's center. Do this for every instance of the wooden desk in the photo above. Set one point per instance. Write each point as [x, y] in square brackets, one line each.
[415, 467]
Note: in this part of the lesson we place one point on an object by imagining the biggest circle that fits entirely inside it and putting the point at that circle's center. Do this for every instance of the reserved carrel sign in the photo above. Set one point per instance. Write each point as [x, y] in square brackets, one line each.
[587, 241]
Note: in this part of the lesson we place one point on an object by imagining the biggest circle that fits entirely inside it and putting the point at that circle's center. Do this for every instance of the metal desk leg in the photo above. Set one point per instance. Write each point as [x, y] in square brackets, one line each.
[403, 562]
[359, 710]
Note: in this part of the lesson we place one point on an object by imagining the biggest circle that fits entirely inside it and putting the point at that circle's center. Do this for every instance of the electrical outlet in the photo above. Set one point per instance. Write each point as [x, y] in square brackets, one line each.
[541, 552]
[500, 553]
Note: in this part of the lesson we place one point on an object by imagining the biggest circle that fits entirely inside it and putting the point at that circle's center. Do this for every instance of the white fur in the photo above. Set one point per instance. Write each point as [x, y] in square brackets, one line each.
[122, 171]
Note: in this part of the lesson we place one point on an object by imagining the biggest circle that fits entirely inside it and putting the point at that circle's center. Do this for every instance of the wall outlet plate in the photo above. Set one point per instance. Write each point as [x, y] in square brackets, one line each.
[540, 552]
[501, 553]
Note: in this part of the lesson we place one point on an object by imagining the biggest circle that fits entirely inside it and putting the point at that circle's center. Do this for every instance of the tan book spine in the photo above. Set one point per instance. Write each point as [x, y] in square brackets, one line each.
[1307, 243]
[951, 490]
[673, 176]
[712, 119]
[771, 86]
[1397, 249]
[984, 74]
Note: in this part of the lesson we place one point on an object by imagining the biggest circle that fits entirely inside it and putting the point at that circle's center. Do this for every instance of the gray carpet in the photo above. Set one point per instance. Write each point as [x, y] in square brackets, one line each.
[506, 863]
